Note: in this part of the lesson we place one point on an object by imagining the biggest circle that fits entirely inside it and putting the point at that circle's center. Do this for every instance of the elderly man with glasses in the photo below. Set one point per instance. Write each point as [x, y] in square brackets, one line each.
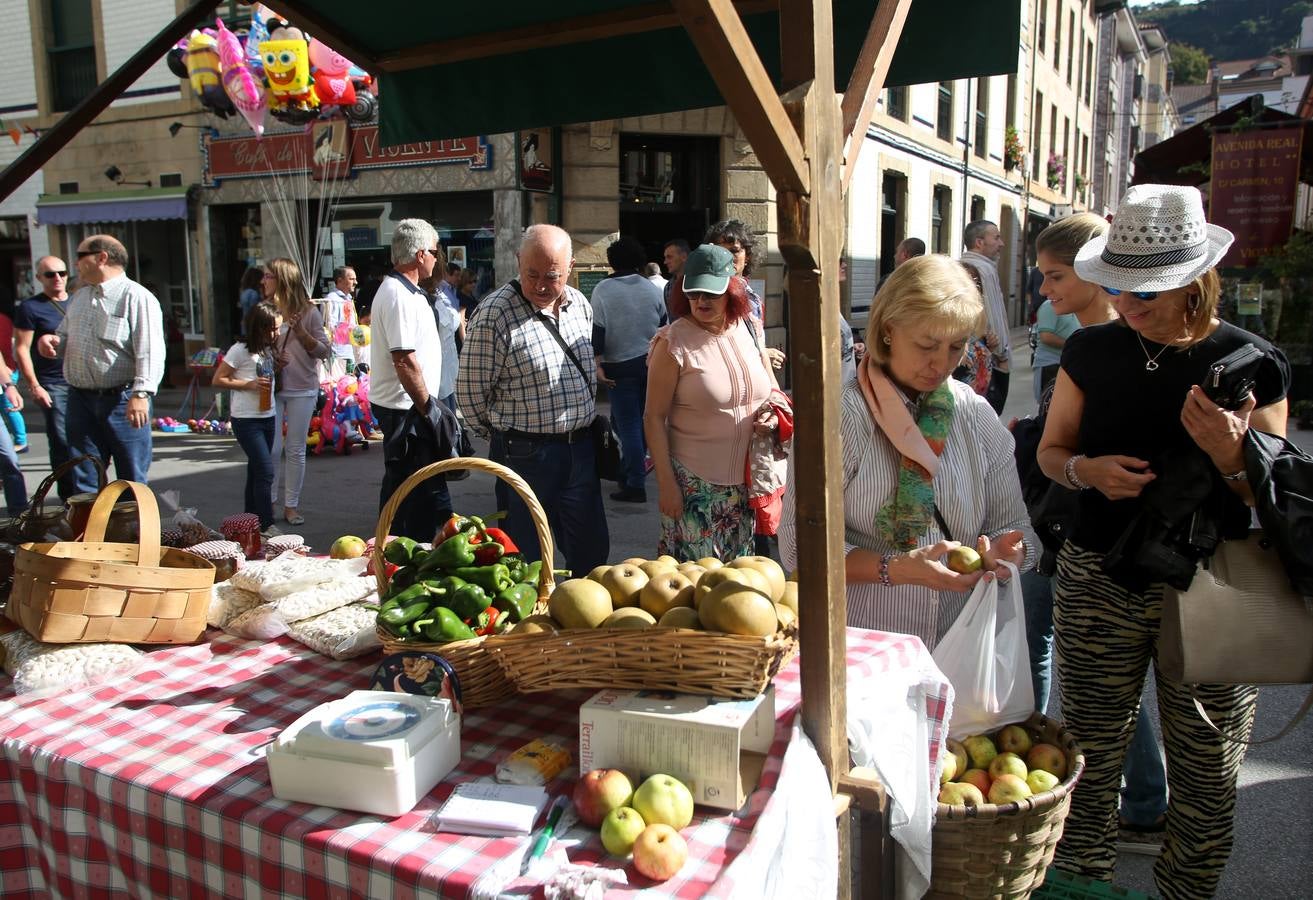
[36, 317]
[527, 381]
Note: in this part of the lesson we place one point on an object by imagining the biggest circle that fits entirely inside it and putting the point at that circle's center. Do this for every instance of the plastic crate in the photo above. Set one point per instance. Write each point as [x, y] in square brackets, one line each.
[1060, 885]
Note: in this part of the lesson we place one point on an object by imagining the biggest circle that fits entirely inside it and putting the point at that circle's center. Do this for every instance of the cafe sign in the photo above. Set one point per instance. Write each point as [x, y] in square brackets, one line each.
[331, 149]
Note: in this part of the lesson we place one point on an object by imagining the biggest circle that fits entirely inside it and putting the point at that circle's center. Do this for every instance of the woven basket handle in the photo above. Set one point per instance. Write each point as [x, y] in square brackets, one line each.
[148, 519]
[39, 497]
[518, 484]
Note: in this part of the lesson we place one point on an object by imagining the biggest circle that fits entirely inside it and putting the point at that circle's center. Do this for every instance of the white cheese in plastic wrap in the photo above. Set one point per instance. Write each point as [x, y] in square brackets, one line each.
[340, 633]
[292, 573]
[270, 620]
[46, 669]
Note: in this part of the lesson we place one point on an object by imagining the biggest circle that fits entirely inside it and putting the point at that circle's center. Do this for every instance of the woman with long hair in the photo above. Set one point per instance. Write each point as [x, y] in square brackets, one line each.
[247, 371]
[302, 345]
[1130, 419]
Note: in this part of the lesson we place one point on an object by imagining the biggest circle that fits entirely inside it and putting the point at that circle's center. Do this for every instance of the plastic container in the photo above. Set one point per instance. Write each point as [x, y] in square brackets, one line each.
[1060, 885]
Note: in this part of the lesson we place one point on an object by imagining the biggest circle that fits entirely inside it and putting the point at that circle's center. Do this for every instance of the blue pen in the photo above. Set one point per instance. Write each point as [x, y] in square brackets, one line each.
[545, 837]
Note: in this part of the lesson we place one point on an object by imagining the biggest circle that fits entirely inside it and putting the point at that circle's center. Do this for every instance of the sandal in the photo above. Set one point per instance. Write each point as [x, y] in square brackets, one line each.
[294, 519]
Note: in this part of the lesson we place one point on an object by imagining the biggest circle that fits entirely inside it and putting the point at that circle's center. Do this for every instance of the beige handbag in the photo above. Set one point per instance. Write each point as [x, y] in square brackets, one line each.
[1239, 623]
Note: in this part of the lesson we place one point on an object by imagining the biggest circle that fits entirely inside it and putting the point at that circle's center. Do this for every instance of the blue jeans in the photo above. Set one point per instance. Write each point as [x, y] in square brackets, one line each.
[98, 426]
[564, 478]
[628, 401]
[425, 508]
[12, 475]
[256, 437]
[13, 418]
[57, 436]
[1144, 794]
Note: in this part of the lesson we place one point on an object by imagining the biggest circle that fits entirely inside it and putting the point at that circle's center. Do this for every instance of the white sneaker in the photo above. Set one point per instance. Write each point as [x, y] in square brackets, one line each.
[271, 531]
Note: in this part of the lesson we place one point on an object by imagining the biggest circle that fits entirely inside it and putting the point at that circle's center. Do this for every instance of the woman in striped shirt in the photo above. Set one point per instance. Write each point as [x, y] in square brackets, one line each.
[926, 461]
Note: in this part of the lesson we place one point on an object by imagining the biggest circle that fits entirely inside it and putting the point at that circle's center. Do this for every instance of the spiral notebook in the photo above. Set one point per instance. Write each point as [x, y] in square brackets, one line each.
[486, 808]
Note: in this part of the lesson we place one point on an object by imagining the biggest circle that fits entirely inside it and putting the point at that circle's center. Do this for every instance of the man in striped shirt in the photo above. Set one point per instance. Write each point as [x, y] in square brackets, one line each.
[527, 382]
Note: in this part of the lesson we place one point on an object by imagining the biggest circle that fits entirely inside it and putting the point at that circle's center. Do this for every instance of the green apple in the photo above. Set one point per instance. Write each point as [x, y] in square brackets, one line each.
[1008, 789]
[620, 829]
[964, 560]
[1040, 781]
[664, 800]
[947, 768]
[1007, 764]
[348, 546]
[1014, 739]
[956, 748]
[980, 749]
[957, 793]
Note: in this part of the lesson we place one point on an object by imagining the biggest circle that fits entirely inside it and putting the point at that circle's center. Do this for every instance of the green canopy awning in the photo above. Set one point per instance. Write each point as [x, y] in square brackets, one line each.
[629, 75]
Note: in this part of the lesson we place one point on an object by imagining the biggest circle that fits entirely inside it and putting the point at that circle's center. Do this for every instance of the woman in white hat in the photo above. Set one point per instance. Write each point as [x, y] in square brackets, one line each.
[1128, 400]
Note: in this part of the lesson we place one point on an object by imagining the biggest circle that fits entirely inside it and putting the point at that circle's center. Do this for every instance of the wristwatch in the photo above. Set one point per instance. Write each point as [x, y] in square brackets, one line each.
[1236, 476]
[141, 395]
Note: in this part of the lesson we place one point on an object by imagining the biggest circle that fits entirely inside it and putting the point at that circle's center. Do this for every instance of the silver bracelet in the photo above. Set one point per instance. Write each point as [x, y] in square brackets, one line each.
[1069, 471]
[883, 576]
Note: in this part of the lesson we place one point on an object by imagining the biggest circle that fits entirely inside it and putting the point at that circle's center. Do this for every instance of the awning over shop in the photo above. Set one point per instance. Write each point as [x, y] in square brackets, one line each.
[112, 206]
[524, 63]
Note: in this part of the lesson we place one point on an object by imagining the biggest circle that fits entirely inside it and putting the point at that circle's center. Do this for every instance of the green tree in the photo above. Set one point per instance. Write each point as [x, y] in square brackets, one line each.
[1189, 64]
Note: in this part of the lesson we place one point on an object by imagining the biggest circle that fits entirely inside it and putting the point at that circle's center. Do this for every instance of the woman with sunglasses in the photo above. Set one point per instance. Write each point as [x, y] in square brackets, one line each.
[1127, 408]
[301, 346]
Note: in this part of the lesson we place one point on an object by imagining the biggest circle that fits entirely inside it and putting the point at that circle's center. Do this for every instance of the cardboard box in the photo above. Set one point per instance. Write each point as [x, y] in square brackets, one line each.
[715, 745]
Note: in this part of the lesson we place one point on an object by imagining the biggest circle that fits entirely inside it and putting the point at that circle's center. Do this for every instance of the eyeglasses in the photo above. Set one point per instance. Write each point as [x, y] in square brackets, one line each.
[434, 252]
[82, 253]
[60, 273]
[1138, 295]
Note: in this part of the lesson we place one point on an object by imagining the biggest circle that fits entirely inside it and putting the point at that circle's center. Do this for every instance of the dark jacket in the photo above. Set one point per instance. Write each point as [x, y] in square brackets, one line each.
[1281, 477]
[427, 435]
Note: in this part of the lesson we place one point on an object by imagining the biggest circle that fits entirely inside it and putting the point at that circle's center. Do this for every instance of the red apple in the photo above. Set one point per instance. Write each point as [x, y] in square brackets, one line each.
[979, 777]
[600, 791]
[659, 852]
[1049, 758]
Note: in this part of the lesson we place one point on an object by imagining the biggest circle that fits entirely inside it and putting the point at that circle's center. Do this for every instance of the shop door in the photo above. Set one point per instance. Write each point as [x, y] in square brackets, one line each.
[669, 188]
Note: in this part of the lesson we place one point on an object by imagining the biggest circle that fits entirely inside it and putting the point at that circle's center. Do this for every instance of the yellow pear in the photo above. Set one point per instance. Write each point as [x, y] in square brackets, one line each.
[766, 566]
[664, 591]
[786, 616]
[628, 617]
[680, 617]
[538, 624]
[633, 561]
[710, 579]
[790, 598]
[709, 563]
[598, 572]
[623, 583]
[690, 570]
[579, 603]
[739, 609]
[666, 557]
[653, 567]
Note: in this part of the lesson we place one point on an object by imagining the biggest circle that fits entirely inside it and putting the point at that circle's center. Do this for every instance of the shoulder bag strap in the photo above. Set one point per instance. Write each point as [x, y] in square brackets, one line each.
[1299, 717]
[943, 526]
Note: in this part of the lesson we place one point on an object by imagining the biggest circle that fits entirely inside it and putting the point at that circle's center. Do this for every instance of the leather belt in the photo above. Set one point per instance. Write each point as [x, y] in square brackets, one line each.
[103, 392]
[560, 437]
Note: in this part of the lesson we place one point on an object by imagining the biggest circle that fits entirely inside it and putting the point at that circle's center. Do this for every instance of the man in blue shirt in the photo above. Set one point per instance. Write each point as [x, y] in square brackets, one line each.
[36, 317]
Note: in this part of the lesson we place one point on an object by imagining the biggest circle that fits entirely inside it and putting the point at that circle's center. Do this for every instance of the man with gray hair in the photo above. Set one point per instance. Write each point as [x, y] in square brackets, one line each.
[984, 245]
[527, 381]
[113, 343]
[405, 371]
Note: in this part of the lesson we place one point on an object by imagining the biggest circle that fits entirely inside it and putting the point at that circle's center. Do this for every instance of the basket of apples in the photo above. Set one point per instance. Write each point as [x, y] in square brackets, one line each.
[1002, 801]
[703, 627]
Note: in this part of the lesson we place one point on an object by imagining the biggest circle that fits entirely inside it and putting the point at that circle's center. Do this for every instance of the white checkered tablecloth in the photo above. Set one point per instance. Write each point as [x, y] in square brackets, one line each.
[156, 786]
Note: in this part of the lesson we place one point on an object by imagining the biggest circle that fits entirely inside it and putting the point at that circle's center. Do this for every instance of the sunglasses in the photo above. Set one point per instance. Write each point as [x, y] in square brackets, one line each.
[1138, 295]
[60, 273]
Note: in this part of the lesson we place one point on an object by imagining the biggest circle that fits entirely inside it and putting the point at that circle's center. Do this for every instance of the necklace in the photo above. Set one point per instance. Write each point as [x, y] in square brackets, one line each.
[1152, 364]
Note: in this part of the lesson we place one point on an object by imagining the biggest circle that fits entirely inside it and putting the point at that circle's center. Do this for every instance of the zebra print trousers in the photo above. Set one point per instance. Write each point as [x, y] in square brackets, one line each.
[1105, 636]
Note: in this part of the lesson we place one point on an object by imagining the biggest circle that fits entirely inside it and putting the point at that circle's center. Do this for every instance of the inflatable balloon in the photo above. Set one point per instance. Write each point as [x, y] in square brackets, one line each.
[287, 70]
[360, 336]
[257, 34]
[176, 59]
[333, 83]
[203, 70]
[240, 83]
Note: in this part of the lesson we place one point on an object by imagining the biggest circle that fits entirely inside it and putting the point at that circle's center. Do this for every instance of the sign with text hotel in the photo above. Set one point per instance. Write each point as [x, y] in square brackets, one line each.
[1252, 193]
[330, 149]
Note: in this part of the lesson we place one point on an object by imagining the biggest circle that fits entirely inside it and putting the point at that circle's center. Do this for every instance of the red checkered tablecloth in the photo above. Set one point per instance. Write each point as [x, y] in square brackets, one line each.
[156, 786]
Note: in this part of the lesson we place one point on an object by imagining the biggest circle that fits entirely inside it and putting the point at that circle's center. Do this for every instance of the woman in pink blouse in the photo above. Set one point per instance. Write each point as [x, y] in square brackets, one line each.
[706, 388]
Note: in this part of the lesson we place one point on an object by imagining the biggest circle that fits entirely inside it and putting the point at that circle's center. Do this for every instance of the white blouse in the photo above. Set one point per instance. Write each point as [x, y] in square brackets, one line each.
[976, 489]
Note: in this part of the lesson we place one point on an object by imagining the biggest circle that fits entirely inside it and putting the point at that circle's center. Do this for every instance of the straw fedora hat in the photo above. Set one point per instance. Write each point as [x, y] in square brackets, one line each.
[1159, 240]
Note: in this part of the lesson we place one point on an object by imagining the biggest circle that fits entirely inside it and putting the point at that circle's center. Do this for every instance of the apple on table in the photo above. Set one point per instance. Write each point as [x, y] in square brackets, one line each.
[600, 791]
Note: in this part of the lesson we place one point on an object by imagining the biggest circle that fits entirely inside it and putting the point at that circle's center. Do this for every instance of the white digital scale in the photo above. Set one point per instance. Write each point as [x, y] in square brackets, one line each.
[374, 751]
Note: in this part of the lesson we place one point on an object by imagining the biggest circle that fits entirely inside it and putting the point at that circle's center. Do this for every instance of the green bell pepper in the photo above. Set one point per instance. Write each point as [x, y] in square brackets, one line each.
[404, 615]
[516, 565]
[447, 627]
[518, 600]
[401, 579]
[532, 572]
[400, 551]
[405, 596]
[493, 579]
[452, 553]
[467, 601]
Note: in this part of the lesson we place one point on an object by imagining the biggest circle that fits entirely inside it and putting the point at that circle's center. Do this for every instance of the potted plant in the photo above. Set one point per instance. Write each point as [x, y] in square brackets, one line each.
[1012, 149]
[1057, 172]
[1078, 180]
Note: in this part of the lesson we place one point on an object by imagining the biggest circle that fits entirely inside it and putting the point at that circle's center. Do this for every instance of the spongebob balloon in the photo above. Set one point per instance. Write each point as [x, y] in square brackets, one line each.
[287, 71]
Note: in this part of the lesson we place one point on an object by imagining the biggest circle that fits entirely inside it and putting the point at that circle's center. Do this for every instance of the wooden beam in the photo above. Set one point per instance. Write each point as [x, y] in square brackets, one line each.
[728, 53]
[305, 16]
[57, 136]
[867, 80]
[797, 56]
[557, 33]
[810, 237]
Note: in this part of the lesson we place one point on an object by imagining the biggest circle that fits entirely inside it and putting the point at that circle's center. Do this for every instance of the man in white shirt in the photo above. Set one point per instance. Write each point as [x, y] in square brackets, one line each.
[338, 309]
[984, 245]
[406, 371]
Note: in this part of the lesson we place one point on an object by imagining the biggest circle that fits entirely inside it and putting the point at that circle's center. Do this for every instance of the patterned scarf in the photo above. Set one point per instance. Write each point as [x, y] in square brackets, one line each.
[907, 515]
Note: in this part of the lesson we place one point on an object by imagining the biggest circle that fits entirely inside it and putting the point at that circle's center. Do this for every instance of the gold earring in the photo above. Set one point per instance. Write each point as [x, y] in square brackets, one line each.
[888, 340]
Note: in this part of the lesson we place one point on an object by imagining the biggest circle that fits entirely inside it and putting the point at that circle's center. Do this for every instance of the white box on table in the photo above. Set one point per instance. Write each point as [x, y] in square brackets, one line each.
[374, 751]
[715, 745]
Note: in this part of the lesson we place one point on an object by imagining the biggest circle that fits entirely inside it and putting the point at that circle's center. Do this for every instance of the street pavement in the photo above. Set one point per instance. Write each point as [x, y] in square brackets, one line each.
[1274, 837]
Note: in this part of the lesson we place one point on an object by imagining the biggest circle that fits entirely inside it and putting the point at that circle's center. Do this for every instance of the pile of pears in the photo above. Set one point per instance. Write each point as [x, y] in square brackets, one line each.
[749, 595]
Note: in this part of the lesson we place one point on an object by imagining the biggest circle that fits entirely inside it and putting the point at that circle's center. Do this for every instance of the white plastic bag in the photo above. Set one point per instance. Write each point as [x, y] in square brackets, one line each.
[984, 657]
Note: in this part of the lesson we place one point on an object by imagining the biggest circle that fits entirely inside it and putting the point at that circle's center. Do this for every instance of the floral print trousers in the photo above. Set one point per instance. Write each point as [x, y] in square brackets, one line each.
[717, 520]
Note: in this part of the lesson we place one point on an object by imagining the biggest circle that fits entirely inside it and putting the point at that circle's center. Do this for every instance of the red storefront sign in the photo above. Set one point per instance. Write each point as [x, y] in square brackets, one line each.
[331, 149]
[1252, 192]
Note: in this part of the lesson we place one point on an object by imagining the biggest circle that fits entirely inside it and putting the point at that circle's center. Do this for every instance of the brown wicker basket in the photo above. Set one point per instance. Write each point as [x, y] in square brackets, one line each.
[482, 680]
[994, 851]
[90, 591]
[654, 659]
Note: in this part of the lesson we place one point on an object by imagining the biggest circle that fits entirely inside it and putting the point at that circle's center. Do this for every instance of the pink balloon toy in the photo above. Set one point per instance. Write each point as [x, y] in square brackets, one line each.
[239, 81]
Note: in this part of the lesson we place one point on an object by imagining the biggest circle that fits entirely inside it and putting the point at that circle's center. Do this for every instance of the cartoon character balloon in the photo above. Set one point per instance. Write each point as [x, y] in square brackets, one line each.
[203, 70]
[332, 76]
[286, 58]
[256, 34]
[239, 81]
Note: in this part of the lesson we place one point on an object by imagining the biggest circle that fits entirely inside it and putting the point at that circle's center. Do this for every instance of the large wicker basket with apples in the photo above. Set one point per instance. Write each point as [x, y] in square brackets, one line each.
[1012, 789]
[480, 677]
[703, 627]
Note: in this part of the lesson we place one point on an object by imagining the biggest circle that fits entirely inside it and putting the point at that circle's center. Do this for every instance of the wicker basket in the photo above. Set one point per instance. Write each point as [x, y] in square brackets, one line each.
[1003, 851]
[481, 679]
[90, 591]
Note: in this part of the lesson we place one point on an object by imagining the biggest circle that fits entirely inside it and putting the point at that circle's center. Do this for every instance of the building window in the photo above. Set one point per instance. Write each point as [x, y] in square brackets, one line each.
[1036, 123]
[70, 52]
[1057, 39]
[1010, 114]
[941, 218]
[982, 117]
[977, 207]
[1071, 45]
[944, 122]
[1053, 129]
[1089, 69]
[1042, 36]
[1085, 155]
[895, 103]
[893, 221]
